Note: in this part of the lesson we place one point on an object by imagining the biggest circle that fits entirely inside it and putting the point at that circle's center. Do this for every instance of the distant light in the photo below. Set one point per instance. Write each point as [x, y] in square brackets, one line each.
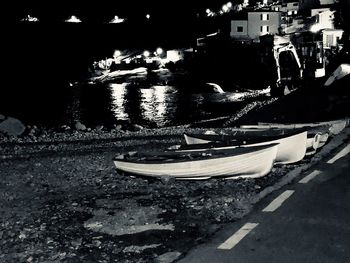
[117, 53]
[148, 16]
[225, 8]
[208, 11]
[117, 20]
[159, 51]
[146, 53]
[73, 19]
[29, 18]
[229, 5]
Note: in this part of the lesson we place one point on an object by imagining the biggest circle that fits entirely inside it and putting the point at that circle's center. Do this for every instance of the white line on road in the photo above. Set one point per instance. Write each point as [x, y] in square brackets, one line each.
[341, 154]
[278, 201]
[238, 236]
[309, 177]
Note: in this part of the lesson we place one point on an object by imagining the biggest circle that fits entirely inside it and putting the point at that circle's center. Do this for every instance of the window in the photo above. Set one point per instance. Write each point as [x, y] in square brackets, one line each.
[264, 29]
[295, 4]
[264, 17]
[240, 29]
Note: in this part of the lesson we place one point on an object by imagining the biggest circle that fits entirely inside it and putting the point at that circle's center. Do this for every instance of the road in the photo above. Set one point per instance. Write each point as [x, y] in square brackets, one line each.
[307, 221]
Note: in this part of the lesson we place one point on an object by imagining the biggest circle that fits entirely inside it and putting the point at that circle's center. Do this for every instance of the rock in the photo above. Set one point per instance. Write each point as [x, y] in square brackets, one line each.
[168, 257]
[79, 126]
[118, 127]
[12, 127]
[65, 127]
[2, 117]
[167, 179]
[99, 128]
[137, 127]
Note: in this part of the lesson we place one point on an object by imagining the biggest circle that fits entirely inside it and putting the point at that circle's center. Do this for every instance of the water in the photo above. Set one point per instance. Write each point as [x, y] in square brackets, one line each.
[107, 104]
[152, 106]
[41, 60]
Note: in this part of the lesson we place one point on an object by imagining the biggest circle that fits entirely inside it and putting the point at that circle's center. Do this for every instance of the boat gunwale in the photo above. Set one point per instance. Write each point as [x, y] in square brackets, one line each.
[225, 153]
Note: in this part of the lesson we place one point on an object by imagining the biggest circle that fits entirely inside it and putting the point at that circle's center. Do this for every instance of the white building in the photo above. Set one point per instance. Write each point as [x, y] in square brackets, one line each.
[327, 2]
[290, 8]
[255, 24]
[331, 37]
[323, 20]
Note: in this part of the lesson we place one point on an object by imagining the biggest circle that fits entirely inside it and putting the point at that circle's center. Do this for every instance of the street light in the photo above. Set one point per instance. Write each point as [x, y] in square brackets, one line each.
[229, 4]
[146, 53]
[159, 51]
[117, 53]
[148, 16]
[225, 8]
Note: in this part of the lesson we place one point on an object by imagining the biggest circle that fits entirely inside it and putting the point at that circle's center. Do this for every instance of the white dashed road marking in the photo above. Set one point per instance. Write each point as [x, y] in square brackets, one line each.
[238, 236]
[309, 177]
[278, 201]
[341, 154]
[232, 241]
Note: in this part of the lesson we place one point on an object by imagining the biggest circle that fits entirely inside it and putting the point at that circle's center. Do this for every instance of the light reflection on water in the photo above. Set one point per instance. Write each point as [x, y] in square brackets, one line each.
[164, 105]
[118, 92]
[157, 104]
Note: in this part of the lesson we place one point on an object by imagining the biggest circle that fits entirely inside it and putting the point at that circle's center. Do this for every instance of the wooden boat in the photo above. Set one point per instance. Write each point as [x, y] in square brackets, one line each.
[333, 127]
[291, 149]
[314, 140]
[208, 163]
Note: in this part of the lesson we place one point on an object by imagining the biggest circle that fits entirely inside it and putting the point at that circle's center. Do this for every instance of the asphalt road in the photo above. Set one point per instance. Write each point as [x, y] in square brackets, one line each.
[307, 221]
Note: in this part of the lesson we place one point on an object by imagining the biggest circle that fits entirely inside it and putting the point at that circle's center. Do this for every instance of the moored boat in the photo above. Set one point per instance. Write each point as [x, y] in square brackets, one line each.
[333, 127]
[250, 162]
[291, 149]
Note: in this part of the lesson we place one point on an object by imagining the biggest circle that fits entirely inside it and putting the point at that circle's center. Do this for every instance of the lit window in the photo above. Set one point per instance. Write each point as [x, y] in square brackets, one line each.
[240, 29]
[264, 29]
[264, 17]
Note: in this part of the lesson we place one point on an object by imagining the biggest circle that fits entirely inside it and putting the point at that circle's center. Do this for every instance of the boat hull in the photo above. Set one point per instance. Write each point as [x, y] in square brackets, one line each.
[333, 127]
[254, 162]
[291, 148]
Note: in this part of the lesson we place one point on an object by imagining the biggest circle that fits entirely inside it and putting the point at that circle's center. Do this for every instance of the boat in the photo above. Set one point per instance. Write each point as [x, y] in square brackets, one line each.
[239, 162]
[314, 140]
[333, 127]
[291, 149]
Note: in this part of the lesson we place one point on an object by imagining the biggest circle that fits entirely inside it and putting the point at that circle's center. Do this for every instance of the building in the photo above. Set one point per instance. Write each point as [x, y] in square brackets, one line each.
[316, 11]
[255, 24]
[288, 8]
[327, 2]
[331, 37]
[323, 19]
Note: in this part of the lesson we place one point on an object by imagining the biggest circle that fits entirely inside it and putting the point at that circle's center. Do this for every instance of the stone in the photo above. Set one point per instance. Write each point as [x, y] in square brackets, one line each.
[79, 126]
[118, 127]
[12, 127]
[137, 127]
[2, 117]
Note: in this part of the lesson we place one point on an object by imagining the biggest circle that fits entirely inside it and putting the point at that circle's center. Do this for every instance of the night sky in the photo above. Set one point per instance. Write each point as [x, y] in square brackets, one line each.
[99, 11]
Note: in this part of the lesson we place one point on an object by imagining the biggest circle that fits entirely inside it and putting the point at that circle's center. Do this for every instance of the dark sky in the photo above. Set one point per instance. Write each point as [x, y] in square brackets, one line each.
[102, 9]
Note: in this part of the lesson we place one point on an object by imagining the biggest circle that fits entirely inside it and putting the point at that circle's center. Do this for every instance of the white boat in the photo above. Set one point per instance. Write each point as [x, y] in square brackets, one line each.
[314, 141]
[291, 149]
[208, 163]
[333, 127]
